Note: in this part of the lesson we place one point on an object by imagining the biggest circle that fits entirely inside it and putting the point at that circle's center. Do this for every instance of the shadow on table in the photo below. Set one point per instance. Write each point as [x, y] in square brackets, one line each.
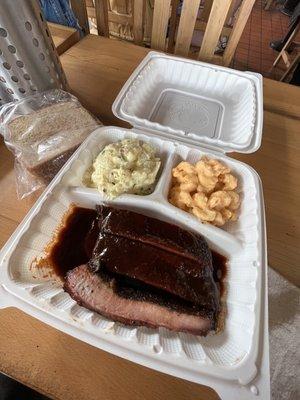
[12, 390]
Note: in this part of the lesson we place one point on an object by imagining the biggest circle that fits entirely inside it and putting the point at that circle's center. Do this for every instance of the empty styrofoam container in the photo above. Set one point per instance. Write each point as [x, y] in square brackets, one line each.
[195, 102]
[234, 362]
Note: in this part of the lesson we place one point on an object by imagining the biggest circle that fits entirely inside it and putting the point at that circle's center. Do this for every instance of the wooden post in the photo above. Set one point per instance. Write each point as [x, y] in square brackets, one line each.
[237, 30]
[285, 47]
[160, 24]
[138, 21]
[213, 29]
[291, 67]
[79, 9]
[284, 55]
[101, 8]
[186, 26]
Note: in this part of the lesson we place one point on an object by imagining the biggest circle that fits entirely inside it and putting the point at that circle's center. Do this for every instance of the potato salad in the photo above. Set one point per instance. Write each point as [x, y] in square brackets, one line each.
[127, 166]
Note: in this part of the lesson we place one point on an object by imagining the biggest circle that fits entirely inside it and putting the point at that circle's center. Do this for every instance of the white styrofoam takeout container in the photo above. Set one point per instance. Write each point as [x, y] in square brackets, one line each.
[235, 362]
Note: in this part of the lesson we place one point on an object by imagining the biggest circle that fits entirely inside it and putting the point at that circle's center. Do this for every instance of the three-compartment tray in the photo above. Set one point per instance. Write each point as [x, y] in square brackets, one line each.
[234, 362]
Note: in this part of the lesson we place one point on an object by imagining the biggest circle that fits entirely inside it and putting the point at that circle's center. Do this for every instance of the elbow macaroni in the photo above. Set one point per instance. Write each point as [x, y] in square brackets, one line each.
[206, 190]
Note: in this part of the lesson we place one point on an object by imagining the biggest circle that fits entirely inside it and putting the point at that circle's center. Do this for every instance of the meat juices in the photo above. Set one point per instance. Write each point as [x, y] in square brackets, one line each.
[147, 272]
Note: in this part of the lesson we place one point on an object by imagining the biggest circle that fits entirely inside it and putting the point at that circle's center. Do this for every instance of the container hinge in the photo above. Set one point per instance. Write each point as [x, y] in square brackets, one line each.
[178, 141]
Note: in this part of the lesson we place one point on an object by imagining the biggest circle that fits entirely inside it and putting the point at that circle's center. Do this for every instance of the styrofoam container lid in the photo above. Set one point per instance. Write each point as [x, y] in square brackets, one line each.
[194, 102]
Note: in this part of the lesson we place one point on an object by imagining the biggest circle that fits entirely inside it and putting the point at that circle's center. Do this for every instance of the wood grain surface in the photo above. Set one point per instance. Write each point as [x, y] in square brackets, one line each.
[63, 36]
[65, 368]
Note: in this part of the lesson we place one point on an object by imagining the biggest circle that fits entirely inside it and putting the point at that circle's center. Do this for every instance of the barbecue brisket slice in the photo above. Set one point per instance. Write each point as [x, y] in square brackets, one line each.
[157, 233]
[143, 271]
[181, 276]
[99, 292]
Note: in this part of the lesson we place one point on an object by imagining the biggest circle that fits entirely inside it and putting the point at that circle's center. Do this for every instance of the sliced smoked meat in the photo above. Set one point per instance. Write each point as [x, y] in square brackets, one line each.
[98, 293]
[142, 271]
[156, 267]
[157, 233]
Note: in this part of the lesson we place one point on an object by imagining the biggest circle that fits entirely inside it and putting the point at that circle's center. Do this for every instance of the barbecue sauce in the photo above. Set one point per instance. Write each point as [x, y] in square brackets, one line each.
[219, 263]
[75, 241]
[77, 238]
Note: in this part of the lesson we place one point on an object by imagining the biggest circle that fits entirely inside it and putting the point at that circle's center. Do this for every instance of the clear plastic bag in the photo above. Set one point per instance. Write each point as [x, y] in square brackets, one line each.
[43, 131]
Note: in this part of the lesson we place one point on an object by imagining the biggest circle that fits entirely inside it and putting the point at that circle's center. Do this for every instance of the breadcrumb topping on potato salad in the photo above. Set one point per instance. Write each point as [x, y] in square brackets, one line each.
[127, 166]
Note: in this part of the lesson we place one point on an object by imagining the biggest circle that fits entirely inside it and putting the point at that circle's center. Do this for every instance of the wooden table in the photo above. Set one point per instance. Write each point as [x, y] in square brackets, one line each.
[65, 368]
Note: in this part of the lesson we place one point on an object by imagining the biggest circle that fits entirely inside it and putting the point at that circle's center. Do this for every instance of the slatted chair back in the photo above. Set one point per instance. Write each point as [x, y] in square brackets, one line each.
[102, 13]
[173, 30]
[172, 33]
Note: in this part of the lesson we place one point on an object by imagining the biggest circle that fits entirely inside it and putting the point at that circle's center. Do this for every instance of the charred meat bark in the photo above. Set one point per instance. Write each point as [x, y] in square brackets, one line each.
[97, 293]
[142, 271]
[159, 268]
[157, 233]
